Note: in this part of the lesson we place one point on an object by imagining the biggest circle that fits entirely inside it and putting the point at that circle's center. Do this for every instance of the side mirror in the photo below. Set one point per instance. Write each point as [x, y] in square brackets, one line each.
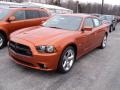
[113, 21]
[12, 18]
[87, 29]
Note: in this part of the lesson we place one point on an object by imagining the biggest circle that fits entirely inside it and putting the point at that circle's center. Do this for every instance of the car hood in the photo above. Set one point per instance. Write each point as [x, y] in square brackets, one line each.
[40, 35]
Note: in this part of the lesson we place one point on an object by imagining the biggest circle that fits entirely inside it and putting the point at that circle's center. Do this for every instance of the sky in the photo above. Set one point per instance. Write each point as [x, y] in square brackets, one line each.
[113, 2]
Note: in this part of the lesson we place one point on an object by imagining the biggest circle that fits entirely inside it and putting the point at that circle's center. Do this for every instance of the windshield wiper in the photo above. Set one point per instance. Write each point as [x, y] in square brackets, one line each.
[55, 27]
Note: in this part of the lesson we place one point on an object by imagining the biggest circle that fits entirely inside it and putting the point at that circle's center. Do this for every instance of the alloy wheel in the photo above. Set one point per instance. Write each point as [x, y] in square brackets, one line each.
[1, 41]
[68, 60]
[104, 41]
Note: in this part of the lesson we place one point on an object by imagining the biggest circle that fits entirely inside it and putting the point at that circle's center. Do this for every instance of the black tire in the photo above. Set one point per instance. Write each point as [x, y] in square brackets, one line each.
[3, 41]
[104, 42]
[60, 68]
[114, 25]
[111, 29]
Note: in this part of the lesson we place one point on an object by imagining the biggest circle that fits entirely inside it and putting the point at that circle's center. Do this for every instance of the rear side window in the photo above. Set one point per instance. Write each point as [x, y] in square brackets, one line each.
[96, 22]
[19, 15]
[30, 14]
[43, 14]
[88, 22]
[52, 11]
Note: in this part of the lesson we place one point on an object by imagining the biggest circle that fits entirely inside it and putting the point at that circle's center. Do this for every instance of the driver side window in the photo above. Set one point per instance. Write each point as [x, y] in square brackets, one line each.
[19, 15]
[88, 22]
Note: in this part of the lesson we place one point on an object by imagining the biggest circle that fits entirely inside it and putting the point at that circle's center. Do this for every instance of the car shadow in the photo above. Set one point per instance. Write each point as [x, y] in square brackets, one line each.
[57, 79]
[53, 73]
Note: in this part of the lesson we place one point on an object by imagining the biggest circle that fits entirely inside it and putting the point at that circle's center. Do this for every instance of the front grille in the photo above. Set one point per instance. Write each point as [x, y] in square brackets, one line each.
[20, 49]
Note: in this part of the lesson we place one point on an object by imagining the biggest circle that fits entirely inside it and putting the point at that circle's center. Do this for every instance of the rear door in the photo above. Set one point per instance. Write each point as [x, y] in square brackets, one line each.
[99, 31]
[35, 17]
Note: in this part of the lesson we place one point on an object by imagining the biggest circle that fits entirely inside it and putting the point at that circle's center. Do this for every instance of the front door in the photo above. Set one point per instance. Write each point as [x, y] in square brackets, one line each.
[18, 23]
[90, 35]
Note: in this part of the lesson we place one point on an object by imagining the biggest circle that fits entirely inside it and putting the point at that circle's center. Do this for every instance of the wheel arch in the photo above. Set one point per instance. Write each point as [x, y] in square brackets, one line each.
[59, 62]
[72, 45]
[4, 33]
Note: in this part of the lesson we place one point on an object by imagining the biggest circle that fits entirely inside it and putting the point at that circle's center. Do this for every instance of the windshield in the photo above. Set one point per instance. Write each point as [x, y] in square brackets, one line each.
[3, 13]
[64, 22]
[106, 17]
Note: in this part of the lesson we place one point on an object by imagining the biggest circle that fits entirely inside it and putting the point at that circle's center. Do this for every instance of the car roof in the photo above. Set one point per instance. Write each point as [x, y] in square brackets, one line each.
[14, 8]
[22, 8]
[79, 15]
[107, 15]
[44, 5]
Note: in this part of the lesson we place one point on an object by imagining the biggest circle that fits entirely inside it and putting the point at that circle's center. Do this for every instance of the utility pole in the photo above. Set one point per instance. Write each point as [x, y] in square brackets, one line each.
[102, 7]
[59, 2]
[77, 2]
[10, 0]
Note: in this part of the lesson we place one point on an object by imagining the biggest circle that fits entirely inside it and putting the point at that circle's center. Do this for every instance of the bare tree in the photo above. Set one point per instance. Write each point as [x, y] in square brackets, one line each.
[57, 2]
[80, 7]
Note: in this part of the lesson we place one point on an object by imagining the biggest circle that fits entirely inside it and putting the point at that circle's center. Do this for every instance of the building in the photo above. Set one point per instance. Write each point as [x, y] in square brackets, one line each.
[37, 1]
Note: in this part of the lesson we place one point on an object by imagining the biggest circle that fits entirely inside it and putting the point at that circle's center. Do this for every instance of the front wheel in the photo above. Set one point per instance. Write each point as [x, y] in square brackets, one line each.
[3, 41]
[104, 42]
[67, 60]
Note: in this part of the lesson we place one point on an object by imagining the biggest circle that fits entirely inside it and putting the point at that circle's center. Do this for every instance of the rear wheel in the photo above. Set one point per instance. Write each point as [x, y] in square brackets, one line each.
[104, 42]
[67, 60]
[111, 29]
[3, 41]
[114, 25]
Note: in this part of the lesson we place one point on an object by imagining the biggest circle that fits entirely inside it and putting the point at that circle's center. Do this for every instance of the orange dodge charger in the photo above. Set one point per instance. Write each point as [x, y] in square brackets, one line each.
[58, 42]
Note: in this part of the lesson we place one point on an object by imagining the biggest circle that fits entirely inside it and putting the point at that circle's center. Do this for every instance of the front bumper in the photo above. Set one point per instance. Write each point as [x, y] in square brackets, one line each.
[40, 61]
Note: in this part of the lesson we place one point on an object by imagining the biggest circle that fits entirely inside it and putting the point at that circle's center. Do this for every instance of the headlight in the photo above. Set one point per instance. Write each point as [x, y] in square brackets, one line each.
[45, 49]
[50, 49]
[41, 48]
